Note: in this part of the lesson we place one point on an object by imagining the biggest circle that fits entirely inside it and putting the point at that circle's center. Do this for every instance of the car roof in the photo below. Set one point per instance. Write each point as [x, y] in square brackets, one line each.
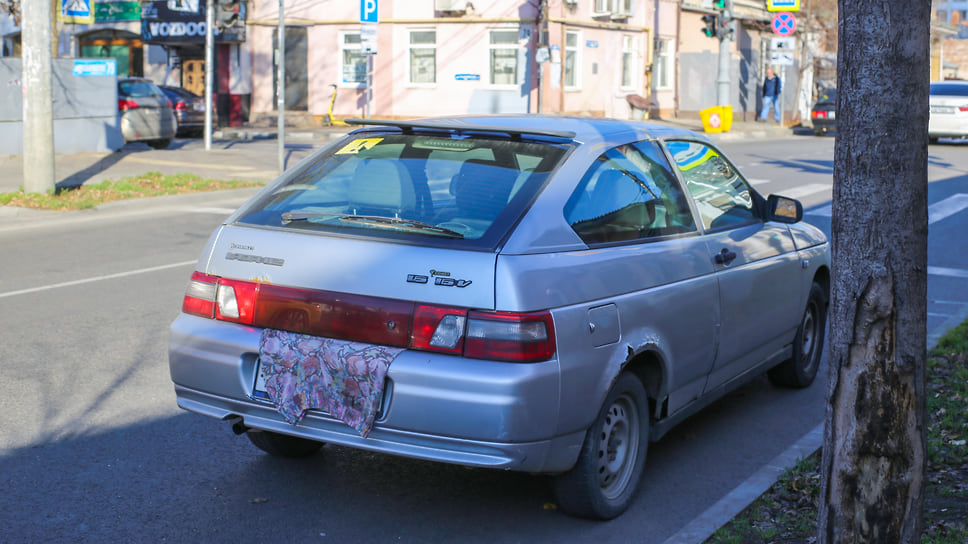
[561, 127]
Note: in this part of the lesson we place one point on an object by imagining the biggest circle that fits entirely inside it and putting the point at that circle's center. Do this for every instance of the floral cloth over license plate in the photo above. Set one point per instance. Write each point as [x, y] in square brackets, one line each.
[343, 378]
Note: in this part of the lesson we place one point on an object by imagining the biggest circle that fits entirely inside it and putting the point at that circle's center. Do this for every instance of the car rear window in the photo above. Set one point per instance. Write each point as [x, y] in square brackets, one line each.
[136, 89]
[417, 188]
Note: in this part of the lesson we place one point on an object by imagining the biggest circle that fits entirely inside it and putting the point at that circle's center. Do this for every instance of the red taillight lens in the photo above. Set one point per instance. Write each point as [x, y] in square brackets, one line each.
[180, 106]
[200, 295]
[438, 329]
[963, 108]
[235, 301]
[125, 104]
[512, 337]
[497, 336]
[818, 114]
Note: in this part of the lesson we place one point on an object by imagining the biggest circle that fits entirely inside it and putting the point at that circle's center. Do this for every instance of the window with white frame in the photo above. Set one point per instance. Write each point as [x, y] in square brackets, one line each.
[628, 62]
[352, 61]
[572, 59]
[423, 56]
[602, 7]
[504, 57]
[624, 7]
[664, 69]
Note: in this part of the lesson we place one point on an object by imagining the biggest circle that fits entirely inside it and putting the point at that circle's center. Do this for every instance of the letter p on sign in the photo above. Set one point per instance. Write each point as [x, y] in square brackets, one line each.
[368, 11]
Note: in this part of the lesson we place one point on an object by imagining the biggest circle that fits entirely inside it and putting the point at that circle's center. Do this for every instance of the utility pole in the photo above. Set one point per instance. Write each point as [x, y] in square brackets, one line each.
[724, 32]
[209, 61]
[38, 108]
[281, 86]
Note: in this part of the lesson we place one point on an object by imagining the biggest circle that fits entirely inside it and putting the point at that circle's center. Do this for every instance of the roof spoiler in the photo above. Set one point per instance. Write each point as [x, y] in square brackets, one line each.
[451, 126]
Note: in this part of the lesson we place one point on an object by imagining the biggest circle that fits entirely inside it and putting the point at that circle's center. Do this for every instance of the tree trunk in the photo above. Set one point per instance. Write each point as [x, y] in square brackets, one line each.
[874, 438]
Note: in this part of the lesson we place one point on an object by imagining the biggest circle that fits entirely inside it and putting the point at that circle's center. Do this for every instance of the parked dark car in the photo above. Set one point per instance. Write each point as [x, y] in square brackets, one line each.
[145, 112]
[189, 110]
[824, 112]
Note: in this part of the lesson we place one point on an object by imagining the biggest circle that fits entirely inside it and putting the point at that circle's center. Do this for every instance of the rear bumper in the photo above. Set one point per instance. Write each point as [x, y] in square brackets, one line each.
[438, 407]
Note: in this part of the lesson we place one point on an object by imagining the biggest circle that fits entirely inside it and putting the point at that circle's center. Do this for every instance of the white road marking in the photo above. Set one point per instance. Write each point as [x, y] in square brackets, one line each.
[949, 272]
[947, 207]
[210, 209]
[96, 278]
[805, 190]
[936, 212]
[759, 181]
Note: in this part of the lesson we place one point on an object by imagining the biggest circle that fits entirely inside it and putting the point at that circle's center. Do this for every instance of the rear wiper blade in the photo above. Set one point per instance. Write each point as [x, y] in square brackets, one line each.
[289, 217]
[400, 224]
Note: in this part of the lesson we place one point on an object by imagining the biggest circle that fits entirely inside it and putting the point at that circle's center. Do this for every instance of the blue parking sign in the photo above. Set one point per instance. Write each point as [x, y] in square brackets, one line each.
[76, 11]
[368, 11]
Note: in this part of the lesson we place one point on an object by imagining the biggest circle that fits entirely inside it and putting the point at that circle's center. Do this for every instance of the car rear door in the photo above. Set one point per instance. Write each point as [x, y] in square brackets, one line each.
[756, 263]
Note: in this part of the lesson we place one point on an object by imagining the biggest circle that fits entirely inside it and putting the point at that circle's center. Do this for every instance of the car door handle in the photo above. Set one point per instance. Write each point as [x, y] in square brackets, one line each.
[725, 257]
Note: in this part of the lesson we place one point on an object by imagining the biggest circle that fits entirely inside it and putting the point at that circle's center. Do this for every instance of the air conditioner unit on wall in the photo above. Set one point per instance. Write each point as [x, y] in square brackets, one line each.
[450, 5]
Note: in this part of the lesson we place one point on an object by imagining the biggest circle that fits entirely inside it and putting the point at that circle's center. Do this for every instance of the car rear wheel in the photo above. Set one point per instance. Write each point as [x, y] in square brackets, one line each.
[819, 131]
[603, 482]
[282, 445]
[801, 369]
[160, 144]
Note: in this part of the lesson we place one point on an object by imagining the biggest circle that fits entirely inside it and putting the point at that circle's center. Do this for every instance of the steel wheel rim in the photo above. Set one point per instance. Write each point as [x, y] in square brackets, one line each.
[618, 446]
[808, 334]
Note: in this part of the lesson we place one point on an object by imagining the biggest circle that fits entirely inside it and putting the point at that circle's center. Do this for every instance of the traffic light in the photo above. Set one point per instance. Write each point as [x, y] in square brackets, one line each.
[229, 14]
[712, 25]
[719, 4]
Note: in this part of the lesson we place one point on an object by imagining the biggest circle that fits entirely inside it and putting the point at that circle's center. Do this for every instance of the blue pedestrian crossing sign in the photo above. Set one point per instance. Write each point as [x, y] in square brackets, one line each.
[76, 11]
[782, 5]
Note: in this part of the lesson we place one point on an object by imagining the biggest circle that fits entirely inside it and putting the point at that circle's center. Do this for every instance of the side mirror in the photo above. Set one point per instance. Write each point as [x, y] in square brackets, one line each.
[783, 210]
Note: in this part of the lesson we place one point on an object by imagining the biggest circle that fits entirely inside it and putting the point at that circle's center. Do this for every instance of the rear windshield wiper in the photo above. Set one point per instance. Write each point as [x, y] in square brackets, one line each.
[393, 222]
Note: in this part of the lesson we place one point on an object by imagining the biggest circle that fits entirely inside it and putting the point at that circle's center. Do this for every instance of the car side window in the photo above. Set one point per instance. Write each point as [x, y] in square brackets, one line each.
[629, 193]
[722, 196]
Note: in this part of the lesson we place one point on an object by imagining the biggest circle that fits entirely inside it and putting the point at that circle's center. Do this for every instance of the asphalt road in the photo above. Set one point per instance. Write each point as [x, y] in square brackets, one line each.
[93, 448]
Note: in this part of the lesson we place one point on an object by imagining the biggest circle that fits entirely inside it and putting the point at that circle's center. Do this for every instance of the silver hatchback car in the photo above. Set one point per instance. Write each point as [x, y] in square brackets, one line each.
[544, 294]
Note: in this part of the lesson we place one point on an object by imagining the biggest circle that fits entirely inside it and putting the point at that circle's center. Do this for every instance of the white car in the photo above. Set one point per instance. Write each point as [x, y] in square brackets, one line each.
[949, 110]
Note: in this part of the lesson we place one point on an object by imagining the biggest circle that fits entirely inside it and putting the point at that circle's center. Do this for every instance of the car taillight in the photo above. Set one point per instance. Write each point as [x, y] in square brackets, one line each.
[818, 114]
[180, 106]
[963, 108]
[438, 329]
[200, 295]
[512, 337]
[235, 301]
[125, 104]
[497, 336]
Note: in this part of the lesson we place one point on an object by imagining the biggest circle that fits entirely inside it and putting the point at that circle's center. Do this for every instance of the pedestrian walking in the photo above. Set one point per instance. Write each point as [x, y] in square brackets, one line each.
[771, 96]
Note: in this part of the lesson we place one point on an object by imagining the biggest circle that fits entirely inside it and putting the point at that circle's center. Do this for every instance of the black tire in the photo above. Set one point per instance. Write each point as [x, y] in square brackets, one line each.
[819, 132]
[160, 144]
[932, 140]
[282, 445]
[801, 369]
[603, 482]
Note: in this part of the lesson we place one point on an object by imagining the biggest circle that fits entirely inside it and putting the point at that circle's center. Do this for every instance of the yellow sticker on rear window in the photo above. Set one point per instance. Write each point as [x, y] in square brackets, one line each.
[356, 146]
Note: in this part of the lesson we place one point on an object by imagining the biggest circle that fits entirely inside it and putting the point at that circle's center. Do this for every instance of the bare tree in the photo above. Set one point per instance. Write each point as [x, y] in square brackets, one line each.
[874, 443]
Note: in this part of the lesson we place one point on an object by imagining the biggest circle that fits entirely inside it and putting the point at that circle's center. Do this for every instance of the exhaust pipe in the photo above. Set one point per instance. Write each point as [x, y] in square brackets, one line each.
[238, 426]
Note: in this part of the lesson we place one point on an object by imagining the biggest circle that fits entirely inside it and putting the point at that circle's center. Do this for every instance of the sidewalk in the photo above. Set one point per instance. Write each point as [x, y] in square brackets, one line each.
[233, 155]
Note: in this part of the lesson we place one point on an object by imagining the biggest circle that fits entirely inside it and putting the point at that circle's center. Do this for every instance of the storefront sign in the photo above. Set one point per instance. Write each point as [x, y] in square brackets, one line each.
[106, 12]
[75, 11]
[160, 24]
[95, 67]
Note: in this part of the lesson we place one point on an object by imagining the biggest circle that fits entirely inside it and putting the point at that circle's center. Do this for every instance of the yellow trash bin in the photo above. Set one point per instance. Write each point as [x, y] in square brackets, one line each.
[717, 118]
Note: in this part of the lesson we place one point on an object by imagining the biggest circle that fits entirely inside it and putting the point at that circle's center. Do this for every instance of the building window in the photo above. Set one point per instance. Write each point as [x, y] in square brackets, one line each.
[352, 60]
[504, 57]
[572, 60]
[423, 56]
[603, 7]
[943, 16]
[624, 7]
[628, 62]
[664, 64]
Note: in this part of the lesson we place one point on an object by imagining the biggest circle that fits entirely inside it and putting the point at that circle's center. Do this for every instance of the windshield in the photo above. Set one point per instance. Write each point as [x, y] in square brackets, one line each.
[466, 191]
